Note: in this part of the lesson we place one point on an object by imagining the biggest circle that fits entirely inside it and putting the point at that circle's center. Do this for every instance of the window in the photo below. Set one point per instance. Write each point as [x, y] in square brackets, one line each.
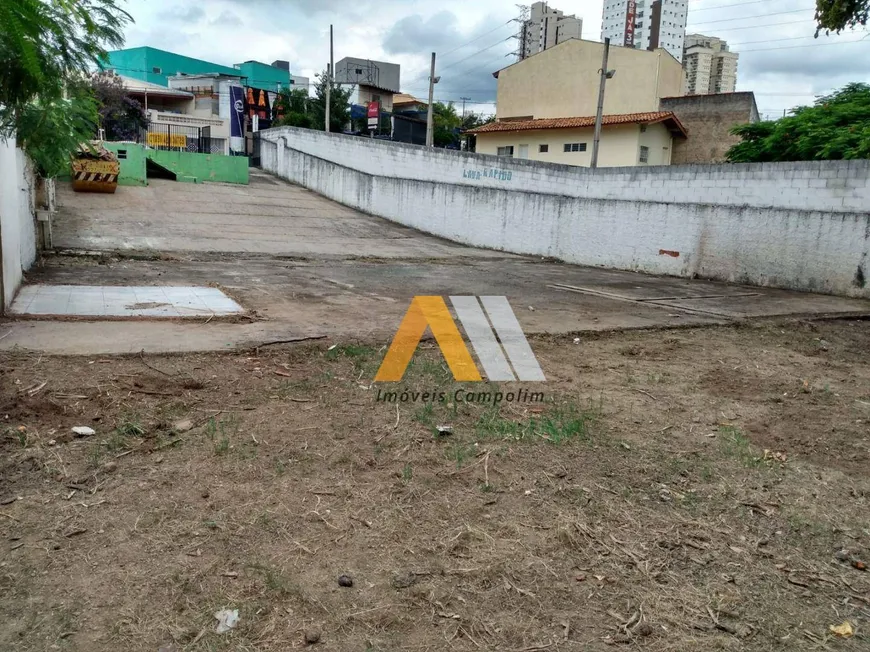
[575, 147]
[122, 154]
[543, 149]
[644, 154]
[642, 128]
[157, 70]
[506, 151]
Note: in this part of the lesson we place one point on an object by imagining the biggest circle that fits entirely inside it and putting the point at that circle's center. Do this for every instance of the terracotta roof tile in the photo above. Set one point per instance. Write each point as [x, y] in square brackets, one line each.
[586, 121]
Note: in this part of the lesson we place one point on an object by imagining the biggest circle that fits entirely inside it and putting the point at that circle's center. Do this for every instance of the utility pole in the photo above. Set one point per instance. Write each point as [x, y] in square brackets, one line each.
[464, 100]
[430, 131]
[600, 113]
[329, 74]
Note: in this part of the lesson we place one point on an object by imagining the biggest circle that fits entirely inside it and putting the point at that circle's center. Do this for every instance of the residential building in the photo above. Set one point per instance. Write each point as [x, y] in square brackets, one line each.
[709, 119]
[409, 119]
[710, 67]
[157, 99]
[374, 81]
[218, 97]
[547, 27]
[646, 24]
[626, 140]
[157, 66]
[171, 112]
[563, 81]
[404, 103]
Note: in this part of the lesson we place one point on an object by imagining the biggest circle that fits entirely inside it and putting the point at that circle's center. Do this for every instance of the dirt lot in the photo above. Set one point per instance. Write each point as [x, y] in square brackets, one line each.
[678, 490]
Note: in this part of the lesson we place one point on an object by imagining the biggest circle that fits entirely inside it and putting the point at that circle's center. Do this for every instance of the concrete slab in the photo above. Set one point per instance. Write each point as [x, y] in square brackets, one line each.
[269, 216]
[123, 301]
[309, 267]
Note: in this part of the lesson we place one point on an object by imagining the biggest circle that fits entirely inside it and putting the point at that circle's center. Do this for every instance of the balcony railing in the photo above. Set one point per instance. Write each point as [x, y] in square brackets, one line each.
[184, 119]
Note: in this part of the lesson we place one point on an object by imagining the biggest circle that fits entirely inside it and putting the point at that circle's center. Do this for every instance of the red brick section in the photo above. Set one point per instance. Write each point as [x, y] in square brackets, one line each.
[588, 121]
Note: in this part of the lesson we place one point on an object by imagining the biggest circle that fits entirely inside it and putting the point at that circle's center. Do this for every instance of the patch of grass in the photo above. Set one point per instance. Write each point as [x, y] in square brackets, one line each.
[706, 472]
[350, 351]
[219, 431]
[222, 445]
[362, 357]
[275, 581]
[426, 369]
[560, 425]
[407, 473]
[20, 435]
[95, 456]
[130, 427]
[425, 415]
[119, 438]
[735, 444]
[460, 452]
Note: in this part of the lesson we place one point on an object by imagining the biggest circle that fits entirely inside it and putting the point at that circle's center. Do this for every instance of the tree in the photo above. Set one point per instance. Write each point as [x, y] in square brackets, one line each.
[473, 120]
[837, 15]
[339, 104]
[447, 123]
[122, 117]
[49, 131]
[292, 109]
[837, 126]
[47, 48]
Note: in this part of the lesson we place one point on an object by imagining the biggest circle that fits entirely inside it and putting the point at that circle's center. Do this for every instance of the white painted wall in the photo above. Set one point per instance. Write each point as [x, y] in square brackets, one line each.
[792, 225]
[840, 186]
[17, 217]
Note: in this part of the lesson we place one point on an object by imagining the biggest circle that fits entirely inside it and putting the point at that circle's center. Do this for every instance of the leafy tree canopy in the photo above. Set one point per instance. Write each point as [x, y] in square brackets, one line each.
[837, 15]
[47, 48]
[122, 117]
[339, 104]
[447, 123]
[292, 108]
[295, 108]
[837, 126]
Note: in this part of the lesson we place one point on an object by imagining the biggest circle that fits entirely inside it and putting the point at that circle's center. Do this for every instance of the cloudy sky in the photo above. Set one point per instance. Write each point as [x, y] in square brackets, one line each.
[779, 58]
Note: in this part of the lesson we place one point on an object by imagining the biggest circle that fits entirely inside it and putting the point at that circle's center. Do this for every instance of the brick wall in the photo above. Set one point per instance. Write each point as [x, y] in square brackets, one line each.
[708, 119]
[798, 225]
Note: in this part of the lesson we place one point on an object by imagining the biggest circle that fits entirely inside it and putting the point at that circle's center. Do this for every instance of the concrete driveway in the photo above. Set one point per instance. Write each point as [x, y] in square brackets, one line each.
[268, 216]
[304, 266]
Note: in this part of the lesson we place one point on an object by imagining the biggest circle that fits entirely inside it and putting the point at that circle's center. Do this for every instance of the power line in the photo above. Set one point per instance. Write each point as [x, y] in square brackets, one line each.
[425, 73]
[456, 63]
[775, 40]
[734, 29]
[736, 4]
[446, 54]
[795, 47]
[776, 13]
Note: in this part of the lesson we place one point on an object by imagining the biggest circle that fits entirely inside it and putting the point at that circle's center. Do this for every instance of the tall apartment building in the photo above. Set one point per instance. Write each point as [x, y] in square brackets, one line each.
[547, 27]
[646, 24]
[710, 67]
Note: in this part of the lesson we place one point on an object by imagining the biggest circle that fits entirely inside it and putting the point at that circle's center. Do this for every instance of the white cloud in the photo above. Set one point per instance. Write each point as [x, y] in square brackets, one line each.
[775, 61]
